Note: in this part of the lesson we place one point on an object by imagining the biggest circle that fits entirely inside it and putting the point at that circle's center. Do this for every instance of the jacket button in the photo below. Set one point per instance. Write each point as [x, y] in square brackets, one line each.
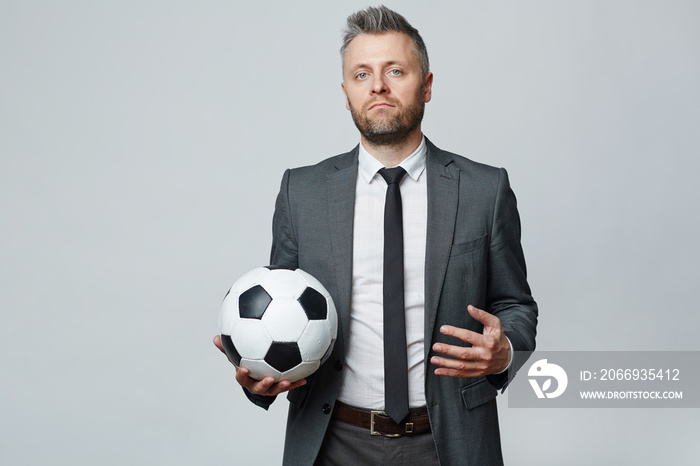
[338, 365]
[326, 408]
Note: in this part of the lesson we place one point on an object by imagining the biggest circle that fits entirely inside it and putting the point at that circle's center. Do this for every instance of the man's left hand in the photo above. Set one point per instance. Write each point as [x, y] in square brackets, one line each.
[489, 353]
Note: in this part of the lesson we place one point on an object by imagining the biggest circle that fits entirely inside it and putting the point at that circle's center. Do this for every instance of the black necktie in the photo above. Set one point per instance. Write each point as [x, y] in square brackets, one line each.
[395, 359]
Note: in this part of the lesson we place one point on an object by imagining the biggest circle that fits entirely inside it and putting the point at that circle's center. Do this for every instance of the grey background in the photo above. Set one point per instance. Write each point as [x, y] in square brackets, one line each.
[142, 144]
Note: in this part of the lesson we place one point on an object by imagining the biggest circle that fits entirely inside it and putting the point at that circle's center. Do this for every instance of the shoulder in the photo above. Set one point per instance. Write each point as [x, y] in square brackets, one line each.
[325, 167]
[311, 182]
[477, 172]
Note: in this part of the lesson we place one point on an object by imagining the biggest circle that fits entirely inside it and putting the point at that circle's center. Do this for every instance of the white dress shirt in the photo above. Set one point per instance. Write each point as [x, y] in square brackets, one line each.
[362, 384]
[363, 377]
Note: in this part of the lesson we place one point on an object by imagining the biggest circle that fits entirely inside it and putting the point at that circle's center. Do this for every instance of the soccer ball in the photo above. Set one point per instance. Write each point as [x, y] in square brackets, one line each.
[278, 322]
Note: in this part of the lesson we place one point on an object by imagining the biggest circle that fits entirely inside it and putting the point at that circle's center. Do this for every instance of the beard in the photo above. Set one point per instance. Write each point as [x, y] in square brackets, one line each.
[390, 131]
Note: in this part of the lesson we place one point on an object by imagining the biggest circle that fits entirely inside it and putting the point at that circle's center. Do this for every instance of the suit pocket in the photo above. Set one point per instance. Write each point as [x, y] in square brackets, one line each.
[469, 246]
[478, 393]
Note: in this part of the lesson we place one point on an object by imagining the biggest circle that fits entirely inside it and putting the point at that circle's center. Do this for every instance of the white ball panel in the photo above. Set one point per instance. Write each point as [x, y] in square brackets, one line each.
[332, 318]
[315, 340]
[248, 280]
[304, 369]
[284, 319]
[228, 315]
[259, 369]
[251, 339]
[312, 282]
[282, 283]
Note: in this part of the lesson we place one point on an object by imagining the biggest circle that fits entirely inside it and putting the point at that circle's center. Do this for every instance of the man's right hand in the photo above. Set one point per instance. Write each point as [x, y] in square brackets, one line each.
[266, 386]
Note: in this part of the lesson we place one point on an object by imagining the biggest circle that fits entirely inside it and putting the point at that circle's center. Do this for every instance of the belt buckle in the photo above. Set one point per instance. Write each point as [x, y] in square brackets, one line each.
[371, 425]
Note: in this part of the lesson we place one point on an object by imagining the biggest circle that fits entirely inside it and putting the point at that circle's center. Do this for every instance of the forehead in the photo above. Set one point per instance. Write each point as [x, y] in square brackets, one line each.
[372, 49]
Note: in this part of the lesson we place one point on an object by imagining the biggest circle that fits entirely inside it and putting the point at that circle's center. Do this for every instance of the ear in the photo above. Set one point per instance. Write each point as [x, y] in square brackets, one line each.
[347, 102]
[428, 86]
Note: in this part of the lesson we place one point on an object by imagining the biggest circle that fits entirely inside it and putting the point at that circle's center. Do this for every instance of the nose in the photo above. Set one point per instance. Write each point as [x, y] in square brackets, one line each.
[379, 84]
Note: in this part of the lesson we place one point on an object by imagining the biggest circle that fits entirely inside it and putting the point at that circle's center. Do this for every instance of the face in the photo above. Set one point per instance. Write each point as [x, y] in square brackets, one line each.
[384, 88]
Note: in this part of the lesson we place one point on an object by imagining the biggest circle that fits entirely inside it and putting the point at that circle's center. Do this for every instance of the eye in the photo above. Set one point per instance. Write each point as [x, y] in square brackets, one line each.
[361, 75]
[395, 72]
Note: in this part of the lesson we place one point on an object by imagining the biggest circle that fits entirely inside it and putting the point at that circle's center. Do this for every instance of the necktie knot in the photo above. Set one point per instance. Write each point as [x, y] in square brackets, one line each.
[392, 175]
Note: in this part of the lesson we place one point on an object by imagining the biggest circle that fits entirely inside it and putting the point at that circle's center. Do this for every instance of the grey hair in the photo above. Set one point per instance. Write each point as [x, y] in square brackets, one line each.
[380, 20]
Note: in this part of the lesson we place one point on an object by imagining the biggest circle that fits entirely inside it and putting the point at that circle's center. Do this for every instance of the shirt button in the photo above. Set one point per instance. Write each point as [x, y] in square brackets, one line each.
[338, 365]
[326, 408]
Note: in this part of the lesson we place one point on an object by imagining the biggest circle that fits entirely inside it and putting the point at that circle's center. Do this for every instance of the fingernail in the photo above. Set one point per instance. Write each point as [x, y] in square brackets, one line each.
[437, 347]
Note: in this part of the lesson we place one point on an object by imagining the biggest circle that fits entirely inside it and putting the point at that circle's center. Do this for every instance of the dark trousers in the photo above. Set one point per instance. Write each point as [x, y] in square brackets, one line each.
[347, 445]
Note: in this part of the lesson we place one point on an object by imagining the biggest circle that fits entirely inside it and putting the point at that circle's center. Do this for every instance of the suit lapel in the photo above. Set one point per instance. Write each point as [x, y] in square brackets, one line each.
[443, 197]
[341, 211]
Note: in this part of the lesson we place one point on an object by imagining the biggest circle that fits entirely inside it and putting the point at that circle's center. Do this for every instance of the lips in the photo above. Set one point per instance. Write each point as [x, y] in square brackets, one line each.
[380, 104]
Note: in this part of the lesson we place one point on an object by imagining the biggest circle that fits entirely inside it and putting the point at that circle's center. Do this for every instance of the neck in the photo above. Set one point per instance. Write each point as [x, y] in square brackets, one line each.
[392, 155]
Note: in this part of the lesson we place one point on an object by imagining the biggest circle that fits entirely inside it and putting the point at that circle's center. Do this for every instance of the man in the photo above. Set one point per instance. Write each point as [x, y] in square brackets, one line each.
[464, 302]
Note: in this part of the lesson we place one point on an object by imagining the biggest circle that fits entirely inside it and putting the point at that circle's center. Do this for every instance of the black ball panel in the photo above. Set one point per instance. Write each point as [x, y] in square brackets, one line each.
[253, 302]
[283, 355]
[230, 349]
[314, 304]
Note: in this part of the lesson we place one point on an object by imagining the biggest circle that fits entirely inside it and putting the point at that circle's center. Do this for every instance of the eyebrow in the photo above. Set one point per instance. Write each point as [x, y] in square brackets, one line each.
[385, 64]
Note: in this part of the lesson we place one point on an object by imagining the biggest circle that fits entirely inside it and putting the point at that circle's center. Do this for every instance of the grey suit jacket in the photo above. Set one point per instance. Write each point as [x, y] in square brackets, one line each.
[473, 257]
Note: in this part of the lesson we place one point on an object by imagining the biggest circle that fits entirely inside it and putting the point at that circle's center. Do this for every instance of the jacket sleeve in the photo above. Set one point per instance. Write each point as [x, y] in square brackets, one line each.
[508, 293]
[284, 243]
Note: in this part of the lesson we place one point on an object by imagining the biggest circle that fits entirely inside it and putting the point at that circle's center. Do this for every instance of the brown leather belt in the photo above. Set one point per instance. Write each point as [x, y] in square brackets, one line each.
[379, 423]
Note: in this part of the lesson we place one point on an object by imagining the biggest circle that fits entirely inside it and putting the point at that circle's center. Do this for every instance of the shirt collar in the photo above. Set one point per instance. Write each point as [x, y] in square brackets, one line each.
[414, 164]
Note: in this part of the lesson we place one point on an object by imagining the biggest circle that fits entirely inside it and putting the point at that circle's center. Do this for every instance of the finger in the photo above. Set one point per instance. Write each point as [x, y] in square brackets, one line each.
[260, 387]
[297, 384]
[243, 378]
[456, 368]
[459, 352]
[469, 336]
[457, 373]
[285, 385]
[458, 364]
[264, 385]
[218, 344]
[484, 317]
